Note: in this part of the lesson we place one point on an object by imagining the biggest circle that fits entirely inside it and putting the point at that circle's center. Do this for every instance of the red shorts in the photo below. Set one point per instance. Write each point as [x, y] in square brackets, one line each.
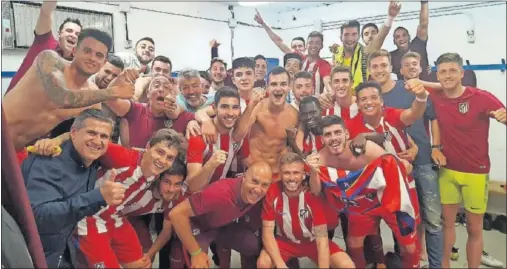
[289, 250]
[21, 155]
[111, 249]
[364, 225]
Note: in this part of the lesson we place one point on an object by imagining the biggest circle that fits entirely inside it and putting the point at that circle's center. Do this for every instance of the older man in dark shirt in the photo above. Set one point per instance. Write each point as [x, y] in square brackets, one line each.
[62, 189]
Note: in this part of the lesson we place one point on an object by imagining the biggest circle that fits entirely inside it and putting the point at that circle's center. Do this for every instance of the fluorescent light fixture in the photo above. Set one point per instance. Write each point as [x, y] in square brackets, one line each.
[252, 4]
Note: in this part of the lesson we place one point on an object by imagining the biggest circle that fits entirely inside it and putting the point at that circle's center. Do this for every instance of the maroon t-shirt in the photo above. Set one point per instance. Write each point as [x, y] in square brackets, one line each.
[41, 42]
[417, 45]
[143, 124]
[218, 204]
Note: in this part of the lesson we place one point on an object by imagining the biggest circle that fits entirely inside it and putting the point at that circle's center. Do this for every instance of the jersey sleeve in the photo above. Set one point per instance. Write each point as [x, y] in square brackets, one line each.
[180, 124]
[117, 156]
[315, 204]
[214, 197]
[325, 69]
[195, 151]
[490, 102]
[133, 112]
[354, 126]
[393, 116]
[268, 210]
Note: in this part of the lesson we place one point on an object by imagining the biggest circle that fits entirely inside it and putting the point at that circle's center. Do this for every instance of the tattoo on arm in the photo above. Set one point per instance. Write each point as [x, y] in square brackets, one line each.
[50, 68]
[320, 230]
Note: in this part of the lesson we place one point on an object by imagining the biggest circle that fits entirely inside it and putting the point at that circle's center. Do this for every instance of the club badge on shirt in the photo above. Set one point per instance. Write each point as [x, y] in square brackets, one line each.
[168, 123]
[99, 265]
[303, 213]
[463, 107]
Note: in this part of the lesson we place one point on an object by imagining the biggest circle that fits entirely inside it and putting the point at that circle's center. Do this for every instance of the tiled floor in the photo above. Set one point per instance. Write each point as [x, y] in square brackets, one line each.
[494, 242]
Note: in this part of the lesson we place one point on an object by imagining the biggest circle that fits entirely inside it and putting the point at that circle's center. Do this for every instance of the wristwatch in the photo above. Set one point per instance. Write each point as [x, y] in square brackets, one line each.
[439, 147]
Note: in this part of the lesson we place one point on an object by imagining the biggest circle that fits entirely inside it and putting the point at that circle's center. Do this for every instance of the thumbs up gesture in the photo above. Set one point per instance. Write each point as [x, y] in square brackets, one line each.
[113, 192]
[123, 86]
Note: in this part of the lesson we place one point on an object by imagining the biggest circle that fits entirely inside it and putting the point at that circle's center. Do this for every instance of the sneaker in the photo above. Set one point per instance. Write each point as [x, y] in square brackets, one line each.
[454, 254]
[488, 260]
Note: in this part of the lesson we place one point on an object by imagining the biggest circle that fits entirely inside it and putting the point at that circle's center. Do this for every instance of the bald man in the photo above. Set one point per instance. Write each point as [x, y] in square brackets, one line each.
[203, 217]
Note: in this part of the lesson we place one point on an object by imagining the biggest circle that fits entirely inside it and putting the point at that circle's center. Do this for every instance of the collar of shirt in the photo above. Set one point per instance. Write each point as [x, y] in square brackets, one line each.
[68, 146]
[60, 52]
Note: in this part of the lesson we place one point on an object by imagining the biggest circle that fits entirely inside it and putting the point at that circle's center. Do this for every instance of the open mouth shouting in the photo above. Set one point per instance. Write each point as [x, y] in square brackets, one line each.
[335, 145]
[279, 96]
[71, 41]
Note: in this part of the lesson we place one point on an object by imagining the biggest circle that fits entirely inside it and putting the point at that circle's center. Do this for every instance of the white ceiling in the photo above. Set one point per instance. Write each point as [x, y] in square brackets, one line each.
[275, 6]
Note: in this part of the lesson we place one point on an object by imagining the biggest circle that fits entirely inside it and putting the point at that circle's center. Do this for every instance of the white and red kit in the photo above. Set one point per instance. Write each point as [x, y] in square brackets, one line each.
[200, 152]
[346, 113]
[107, 239]
[381, 190]
[295, 218]
[391, 126]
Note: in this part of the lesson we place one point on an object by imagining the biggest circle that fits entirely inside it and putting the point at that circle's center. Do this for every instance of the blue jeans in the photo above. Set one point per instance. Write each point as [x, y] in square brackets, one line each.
[426, 181]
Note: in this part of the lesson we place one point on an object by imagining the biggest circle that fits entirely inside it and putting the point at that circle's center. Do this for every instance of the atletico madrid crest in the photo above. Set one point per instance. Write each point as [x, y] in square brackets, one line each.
[463, 107]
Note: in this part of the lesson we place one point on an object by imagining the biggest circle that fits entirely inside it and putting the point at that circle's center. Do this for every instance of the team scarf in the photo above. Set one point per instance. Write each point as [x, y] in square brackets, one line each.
[357, 64]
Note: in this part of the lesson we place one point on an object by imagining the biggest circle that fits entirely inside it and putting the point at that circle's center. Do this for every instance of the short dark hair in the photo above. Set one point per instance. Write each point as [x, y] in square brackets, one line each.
[331, 120]
[224, 92]
[401, 28]
[449, 57]
[243, 62]
[162, 58]
[350, 24]
[316, 34]
[289, 56]
[300, 39]
[205, 75]
[341, 69]
[170, 136]
[147, 39]
[261, 57]
[277, 71]
[91, 113]
[217, 60]
[116, 61]
[303, 74]
[370, 24]
[310, 100]
[96, 34]
[76, 21]
[369, 84]
[178, 168]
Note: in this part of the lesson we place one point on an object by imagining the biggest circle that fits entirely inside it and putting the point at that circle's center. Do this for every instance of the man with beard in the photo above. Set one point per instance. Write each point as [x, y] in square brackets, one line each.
[44, 40]
[143, 54]
[218, 73]
[314, 64]
[207, 163]
[297, 44]
[206, 216]
[191, 97]
[300, 220]
[401, 39]
[370, 31]
[108, 72]
[160, 112]
[53, 89]
[429, 152]
[353, 54]
[265, 121]
[347, 183]
[261, 67]
[464, 115]
[107, 239]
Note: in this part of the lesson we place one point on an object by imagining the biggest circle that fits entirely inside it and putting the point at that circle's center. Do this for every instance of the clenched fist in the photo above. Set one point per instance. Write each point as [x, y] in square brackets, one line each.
[313, 161]
[416, 86]
[123, 85]
[113, 192]
[218, 158]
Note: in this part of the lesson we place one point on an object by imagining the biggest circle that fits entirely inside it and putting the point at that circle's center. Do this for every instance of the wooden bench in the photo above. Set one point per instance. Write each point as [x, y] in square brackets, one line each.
[497, 198]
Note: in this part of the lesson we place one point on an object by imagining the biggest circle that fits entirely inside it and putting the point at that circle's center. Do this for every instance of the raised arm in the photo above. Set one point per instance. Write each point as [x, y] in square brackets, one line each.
[120, 107]
[378, 41]
[50, 67]
[45, 20]
[416, 111]
[274, 36]
[424, 17]
[248, 118]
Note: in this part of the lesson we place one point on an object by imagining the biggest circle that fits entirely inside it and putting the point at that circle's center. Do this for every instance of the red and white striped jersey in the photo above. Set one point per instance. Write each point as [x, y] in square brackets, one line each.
[391, 126]
[346, 113]
[200, 152]
[145, 203]
[295, 217]
[312, 143]
[125, 161]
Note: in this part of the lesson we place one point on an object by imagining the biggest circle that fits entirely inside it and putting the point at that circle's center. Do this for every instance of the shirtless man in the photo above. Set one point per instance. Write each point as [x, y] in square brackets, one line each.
[54, 90]
[338, 159]
[266, 120]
